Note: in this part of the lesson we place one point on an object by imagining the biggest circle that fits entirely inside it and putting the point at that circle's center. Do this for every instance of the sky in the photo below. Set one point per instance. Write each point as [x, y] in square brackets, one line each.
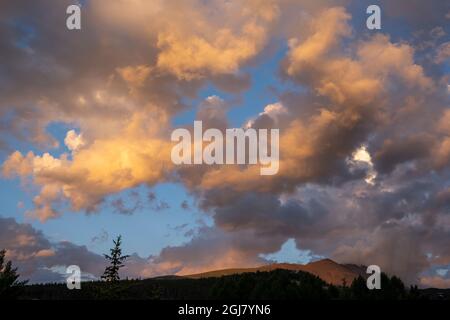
[86, 118]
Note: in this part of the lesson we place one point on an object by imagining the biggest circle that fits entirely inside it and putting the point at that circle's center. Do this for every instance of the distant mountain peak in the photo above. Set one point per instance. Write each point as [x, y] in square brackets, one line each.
[326, 269]
[324, 261]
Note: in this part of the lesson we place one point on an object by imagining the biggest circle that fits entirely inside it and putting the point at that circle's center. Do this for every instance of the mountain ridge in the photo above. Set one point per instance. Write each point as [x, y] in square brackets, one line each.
[326, 269]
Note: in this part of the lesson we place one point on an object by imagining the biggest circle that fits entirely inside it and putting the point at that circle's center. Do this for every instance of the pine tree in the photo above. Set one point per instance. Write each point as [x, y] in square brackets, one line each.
[9, 286]
[116, 259]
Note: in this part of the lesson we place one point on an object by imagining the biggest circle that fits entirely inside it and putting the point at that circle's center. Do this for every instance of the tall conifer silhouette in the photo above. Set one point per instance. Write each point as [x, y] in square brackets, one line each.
[116, 259]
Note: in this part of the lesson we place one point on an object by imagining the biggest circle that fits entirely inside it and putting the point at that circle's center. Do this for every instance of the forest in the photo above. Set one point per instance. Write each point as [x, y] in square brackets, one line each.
[273, 285]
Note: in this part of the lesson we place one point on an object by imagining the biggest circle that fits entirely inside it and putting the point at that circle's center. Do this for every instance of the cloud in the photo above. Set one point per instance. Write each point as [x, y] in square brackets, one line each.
[73, 140]
[134, 76]
[209, 46]
[155, 204]
[443, 53]
[35, 255]
[105, 167]
[101, 238]
[327, 31]
[120, 207]
[353, 91]
[213, 249]
[435, 282]
[402, 150]
[185, 205]
[359, 93]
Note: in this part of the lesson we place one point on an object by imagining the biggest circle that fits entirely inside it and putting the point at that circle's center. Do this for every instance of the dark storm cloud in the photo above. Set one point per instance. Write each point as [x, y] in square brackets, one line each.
[400, 151]
[264, 213]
